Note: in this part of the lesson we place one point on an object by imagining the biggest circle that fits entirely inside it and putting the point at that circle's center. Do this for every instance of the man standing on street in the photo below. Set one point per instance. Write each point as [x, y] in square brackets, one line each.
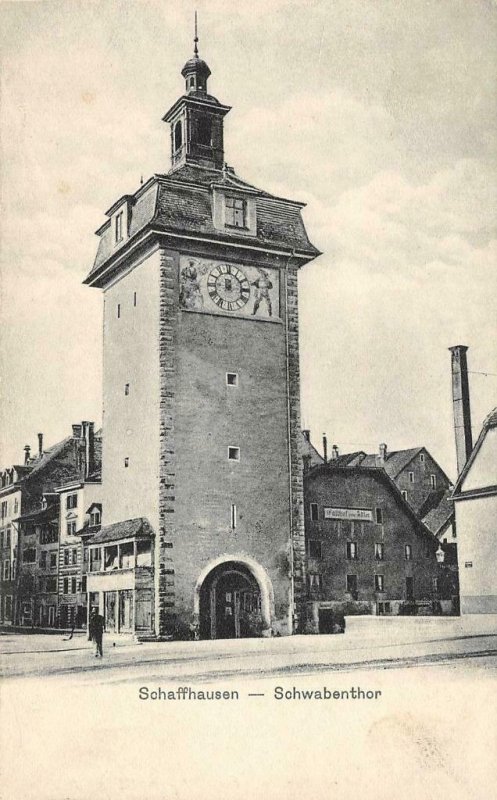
[96, 632]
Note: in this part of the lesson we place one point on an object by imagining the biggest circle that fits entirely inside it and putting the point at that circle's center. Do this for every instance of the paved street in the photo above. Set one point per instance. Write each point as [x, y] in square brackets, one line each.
[89, 728]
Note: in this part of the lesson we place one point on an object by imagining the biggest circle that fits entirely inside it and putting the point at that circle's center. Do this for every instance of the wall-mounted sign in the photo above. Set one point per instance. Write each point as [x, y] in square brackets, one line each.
[349, 513]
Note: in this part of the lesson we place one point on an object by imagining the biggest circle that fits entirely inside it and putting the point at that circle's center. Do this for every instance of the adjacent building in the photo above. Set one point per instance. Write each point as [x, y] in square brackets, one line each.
[475, 501]
[368, 552]
[29, 525]
[201, 395]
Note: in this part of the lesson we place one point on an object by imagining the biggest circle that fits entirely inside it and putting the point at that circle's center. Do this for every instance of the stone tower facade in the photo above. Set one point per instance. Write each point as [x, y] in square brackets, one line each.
[201, 384]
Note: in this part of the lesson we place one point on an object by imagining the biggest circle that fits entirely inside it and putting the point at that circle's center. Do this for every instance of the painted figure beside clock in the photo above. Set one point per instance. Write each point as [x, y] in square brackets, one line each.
[222, 287]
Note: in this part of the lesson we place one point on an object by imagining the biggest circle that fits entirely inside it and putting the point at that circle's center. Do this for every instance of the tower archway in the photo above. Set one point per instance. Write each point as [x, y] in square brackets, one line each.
[233, 599]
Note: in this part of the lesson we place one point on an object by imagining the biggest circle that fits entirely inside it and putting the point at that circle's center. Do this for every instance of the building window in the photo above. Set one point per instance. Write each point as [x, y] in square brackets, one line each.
[409, 588]
[16, 506]
[51, 585]
[73, 586]
[352, 553]
[7, 537]
[134, 299]
[379, 551]
[315, 582]
[72, 501]
[95, 518]
[233, 516]
[314, 548]
[126, 389]
[231, 379]
[422, 458]
[4, 509]
[143, 553]
[83, 583]
[111, 557]
[408, 552]
[66, 558]
[8, 608]
[6, 570]
[235, 212]
[379, 516]
[119, 310]
[29, 555]
[43, 559]
[126, 462]
[379, 583]
[411, 477]
[71, 528]
[233, 453]
[404, 494]
[314, 512]
[74, 555]
[433, 481]
[65, 586]
[352, 586]
[14, 568]
[435, 585]
[119, 226]
[53, 559]
[95, 559]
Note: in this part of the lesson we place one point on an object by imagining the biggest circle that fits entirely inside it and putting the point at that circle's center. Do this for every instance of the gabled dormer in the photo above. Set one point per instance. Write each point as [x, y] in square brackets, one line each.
[196, 120]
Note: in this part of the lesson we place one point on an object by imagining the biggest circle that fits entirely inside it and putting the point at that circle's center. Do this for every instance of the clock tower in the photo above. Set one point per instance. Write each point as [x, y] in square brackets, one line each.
[201, 434]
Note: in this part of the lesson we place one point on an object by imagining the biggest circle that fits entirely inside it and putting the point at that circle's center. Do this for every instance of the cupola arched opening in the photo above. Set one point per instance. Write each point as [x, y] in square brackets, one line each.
[205, 131]
[178, 135]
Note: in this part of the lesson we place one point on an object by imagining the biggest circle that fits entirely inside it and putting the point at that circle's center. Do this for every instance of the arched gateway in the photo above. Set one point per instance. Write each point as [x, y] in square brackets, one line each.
[233, 599]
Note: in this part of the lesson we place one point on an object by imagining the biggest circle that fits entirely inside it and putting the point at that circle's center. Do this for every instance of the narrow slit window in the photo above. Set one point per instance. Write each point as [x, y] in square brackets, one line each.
[134, 299]
[233, 453]
[119, 310]
[126, 388]
[231, 379]
[126, 462]
[233, 516]
[433, 481]
[379, 516]
[314, 512]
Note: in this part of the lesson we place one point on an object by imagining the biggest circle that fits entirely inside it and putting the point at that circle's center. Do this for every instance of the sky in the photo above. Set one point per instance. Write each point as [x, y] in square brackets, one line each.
[378, 114]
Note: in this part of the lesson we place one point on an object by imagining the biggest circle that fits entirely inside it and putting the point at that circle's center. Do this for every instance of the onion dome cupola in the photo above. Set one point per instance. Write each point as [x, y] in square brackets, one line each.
[196, 119]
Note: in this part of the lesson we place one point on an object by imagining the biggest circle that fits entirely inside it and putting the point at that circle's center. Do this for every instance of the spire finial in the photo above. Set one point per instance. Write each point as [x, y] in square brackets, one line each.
[195, 40]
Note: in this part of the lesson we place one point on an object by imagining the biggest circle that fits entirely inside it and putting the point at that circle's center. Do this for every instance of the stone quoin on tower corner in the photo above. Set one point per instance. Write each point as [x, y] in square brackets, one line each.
[203, 528]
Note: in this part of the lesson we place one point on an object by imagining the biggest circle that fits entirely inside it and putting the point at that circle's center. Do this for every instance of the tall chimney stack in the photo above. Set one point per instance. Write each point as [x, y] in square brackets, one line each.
[461, 407]
[27, 451]
[325, 448]
[40, 444]
[89, 448]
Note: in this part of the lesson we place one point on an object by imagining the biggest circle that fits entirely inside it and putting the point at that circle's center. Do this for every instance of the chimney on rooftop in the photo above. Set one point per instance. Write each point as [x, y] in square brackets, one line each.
[460, 405]
[89, 434]
[27, 451]
[76, 431]
[382, 453]
[40, 444]
[325, 448]
[307, 434]
[334, 452]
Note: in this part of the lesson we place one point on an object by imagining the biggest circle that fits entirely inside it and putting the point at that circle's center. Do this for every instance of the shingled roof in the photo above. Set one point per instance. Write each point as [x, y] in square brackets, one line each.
[181, 202]
[138, 528]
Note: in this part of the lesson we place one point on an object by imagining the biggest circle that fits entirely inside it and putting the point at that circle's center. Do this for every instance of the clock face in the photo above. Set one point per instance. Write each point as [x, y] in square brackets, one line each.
[228, 287]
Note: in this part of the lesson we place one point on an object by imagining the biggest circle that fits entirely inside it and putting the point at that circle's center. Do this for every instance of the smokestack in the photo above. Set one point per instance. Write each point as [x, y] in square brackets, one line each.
[40, 444]
[307, 434]
[325, 448]
[334, 452]
[27, 451]
[460, 404]
[382, 453]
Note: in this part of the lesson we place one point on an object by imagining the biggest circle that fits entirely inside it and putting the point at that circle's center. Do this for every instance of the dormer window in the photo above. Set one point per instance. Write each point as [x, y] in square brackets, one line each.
[94, 519]
[235, 212]
[118, 230]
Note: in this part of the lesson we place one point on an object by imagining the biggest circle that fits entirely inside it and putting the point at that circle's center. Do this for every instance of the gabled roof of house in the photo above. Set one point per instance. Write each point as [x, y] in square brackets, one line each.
[379, 474]
[489, 422]
[310, 451]
[138, 528]
[395, 462]
[48, 514]
[438, 511]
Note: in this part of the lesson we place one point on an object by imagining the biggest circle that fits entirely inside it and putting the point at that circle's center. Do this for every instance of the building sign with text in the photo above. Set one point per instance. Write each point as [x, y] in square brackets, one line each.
[349, 513]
